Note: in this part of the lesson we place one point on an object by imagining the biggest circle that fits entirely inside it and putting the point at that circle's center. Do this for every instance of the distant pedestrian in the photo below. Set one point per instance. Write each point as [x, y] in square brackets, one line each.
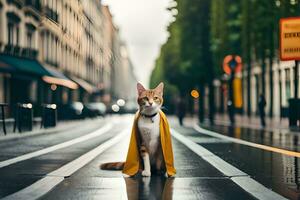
[231, 112]
[261, 106]
[180, 110]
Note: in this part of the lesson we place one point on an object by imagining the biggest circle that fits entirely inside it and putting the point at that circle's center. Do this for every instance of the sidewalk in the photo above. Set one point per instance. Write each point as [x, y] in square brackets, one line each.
[61, 126]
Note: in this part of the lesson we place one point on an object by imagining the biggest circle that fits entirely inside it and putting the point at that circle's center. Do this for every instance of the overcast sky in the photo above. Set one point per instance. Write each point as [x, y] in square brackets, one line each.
[142, 26]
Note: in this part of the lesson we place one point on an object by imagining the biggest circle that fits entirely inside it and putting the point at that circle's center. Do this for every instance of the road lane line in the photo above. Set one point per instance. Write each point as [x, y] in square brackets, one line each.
[251, 144]
[202, 140]
[242, 179]
[46, 184]
[27, 156]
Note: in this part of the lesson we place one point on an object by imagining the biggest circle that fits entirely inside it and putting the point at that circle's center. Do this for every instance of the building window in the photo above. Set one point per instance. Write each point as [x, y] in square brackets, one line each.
[30, 31]
[12, 28]
[29, 40]
[17, 35]
[10, 36]
[13, 33]
[47, 47]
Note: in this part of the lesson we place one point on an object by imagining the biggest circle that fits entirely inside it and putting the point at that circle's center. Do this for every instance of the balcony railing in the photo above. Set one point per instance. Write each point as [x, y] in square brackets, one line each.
[12, 49]
[18, 51]
[29, 53]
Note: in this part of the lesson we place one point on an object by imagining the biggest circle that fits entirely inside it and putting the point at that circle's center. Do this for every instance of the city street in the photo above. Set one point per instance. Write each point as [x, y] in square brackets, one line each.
[225, 73]
[65, 164]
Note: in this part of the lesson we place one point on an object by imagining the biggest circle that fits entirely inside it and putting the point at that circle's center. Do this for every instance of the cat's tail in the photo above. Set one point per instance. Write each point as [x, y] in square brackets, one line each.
[112, 166]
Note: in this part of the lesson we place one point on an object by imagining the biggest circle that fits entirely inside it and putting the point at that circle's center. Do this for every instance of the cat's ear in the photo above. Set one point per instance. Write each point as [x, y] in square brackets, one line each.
[160, 88]
[140, 88]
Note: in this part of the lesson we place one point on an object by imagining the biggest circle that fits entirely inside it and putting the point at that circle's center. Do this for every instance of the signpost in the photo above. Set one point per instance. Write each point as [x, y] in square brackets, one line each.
[290, 50]
[231, 65]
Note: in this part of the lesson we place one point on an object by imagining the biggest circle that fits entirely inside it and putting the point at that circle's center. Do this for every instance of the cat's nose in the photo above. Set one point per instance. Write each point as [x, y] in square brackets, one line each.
[150, 103]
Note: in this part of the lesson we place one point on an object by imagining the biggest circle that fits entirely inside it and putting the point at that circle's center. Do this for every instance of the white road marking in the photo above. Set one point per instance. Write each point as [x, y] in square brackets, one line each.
[239, 177]
[41, 187]
[27, 156]
[207, 140]
[243, 142]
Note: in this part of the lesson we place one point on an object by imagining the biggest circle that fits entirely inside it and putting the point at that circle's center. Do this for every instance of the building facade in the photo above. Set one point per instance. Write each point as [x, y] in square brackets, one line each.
[58, 51]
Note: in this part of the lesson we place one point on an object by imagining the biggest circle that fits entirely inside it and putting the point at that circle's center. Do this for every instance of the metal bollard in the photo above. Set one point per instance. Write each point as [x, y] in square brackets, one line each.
[23, 117]
[49, 115]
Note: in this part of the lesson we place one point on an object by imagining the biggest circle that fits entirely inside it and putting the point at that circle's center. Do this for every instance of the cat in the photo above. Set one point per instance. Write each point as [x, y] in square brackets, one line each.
[148, 123]
[150, 102]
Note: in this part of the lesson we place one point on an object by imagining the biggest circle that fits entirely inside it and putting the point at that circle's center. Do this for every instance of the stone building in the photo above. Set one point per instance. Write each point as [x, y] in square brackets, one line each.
[57, 51]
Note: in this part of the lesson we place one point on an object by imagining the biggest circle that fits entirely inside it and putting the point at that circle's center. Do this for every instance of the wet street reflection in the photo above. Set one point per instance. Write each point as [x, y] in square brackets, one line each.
[277, 138]
[155, 187]
[276, 171]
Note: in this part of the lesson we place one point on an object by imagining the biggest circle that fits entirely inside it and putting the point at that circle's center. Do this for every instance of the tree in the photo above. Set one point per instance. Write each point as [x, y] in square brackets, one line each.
[205, 31]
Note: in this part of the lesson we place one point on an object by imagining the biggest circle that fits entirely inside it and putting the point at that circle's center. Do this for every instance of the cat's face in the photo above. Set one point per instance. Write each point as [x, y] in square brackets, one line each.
[150, 101]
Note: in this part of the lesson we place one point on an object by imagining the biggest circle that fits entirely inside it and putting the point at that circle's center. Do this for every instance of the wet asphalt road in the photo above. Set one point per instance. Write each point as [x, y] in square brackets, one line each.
[283, 139]
[195, 179]
[19, 175]
[276, 171]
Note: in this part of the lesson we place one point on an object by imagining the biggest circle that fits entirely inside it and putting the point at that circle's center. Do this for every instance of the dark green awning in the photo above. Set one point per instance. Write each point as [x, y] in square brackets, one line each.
[24, 65]
[6, 68]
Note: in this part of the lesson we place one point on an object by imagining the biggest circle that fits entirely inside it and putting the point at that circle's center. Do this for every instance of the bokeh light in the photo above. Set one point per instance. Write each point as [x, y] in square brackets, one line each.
[115, 108]
[195, 94]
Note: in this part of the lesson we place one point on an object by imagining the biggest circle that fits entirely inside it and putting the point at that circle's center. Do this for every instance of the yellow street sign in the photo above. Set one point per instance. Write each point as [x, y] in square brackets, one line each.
[238, 93]
[290, 38]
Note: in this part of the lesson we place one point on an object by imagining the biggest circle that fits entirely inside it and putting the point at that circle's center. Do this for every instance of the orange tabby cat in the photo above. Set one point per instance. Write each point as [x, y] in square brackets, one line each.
[148, 137]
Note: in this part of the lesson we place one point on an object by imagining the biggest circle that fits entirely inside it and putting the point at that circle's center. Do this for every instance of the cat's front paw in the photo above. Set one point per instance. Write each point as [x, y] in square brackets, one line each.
[125, 176]
[169, 176]
[146, 173]
[166, 175]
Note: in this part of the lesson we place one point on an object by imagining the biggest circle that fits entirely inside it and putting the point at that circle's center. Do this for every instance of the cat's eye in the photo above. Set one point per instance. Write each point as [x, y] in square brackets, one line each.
[145, 98]
[155, 98]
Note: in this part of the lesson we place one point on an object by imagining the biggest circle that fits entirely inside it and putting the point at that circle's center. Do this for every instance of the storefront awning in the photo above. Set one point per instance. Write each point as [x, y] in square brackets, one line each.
[57, 78]
[23, 65]
[84, 85]
[6, 68]
[34, 68]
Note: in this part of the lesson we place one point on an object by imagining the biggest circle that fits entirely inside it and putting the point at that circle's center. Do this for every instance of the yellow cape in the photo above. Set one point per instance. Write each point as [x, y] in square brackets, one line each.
[133, 160]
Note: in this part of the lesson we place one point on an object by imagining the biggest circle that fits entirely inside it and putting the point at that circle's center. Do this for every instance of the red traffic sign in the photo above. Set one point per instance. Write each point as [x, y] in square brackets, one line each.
[232, 63]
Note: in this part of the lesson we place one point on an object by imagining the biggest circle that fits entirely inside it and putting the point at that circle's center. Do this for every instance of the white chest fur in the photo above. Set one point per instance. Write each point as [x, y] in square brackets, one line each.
[149, 130]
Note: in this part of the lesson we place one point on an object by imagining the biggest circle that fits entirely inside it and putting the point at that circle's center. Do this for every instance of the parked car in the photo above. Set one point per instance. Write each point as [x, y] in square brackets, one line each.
[72, 110]
[130, 107]
[94, 109]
